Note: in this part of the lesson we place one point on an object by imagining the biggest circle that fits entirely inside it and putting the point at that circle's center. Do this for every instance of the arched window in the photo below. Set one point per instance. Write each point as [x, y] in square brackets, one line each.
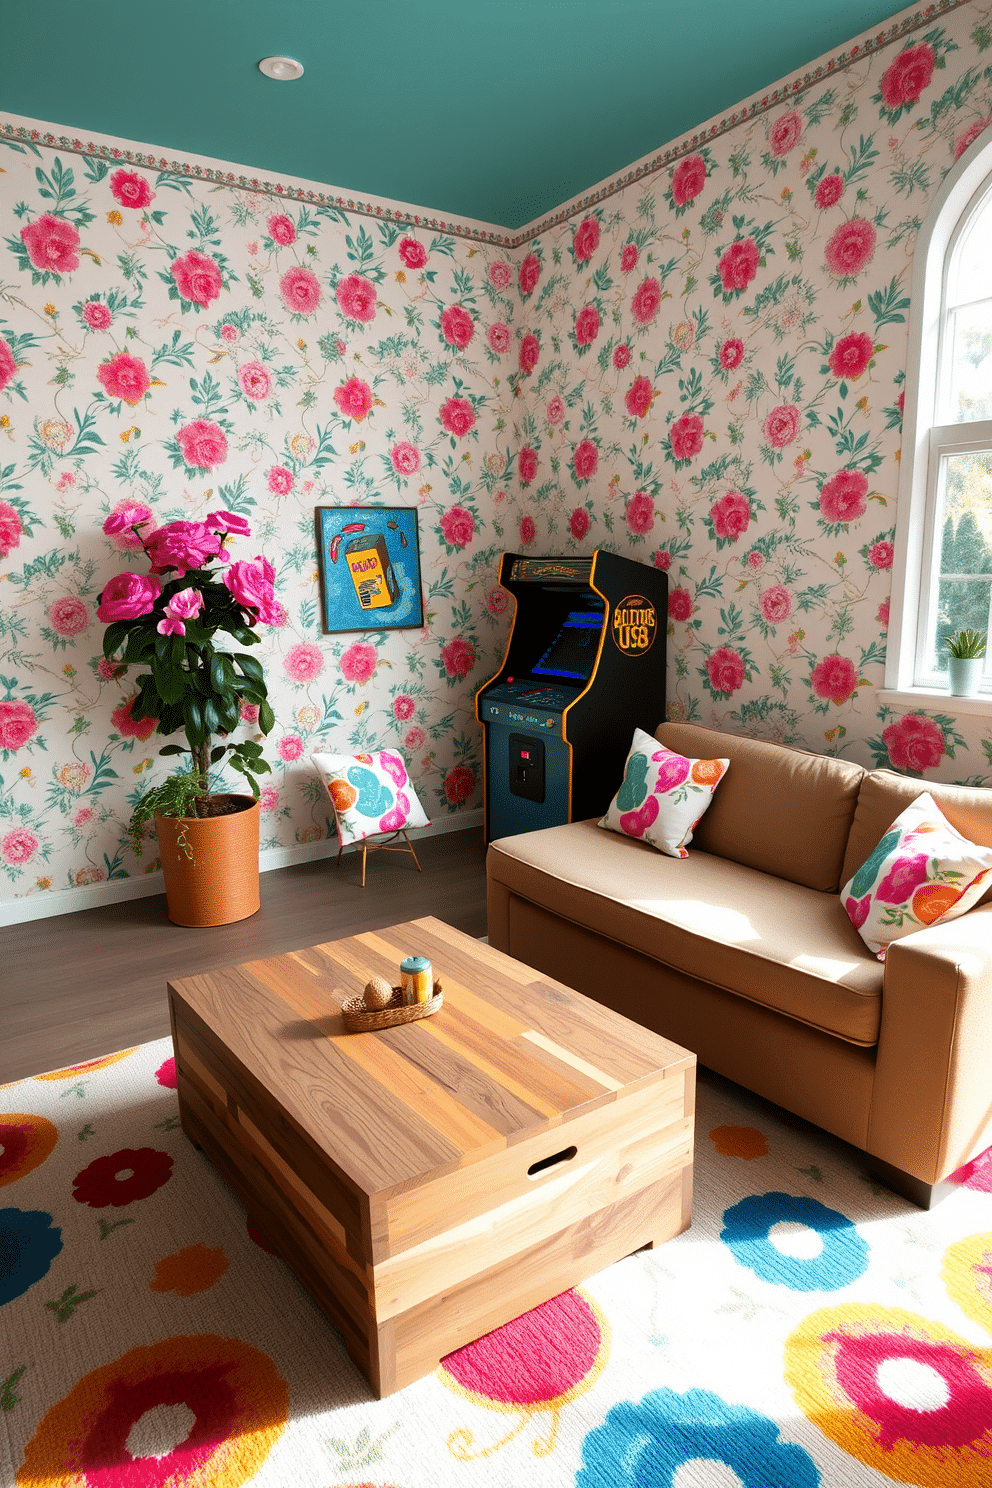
[942, 579]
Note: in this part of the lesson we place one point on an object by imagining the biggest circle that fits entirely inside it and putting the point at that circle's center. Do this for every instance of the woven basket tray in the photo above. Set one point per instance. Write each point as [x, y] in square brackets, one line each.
[360, 1019]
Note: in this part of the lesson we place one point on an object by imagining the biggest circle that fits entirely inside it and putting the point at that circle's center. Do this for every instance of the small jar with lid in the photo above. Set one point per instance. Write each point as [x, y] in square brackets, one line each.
[416, 979]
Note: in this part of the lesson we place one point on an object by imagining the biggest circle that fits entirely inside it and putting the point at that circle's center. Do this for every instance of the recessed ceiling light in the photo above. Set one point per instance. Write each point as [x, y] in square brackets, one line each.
[282, 69]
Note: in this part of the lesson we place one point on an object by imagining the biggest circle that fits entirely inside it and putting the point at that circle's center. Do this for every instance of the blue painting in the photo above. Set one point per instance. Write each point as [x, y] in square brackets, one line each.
[369, 559]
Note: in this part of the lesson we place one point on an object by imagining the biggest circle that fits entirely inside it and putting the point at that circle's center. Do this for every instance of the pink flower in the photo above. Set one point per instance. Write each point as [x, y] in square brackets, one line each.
[405, 458]
[586, 239]
[673, 771]
[782, 425]
[8, 367]
[586, 325]
[129, 727]
[497, 600]
[901, 402]
[354, 399]
[499, 337]
[68, 616]
[457, 416]
[414, 739]
[784, 133]
[555, 410]
[130, 190]
[731, 515]
[621, 357]
[203, 444]
[969, 136]
[128, 596]
[10, 528]
[413, 254]
[640, 513]
[197, 277]
[915, 742]
[775, 604]
[185, 604]
[125, 377]
[403, 707]
[738, 265]
[904, 80]
[844, 497]
[251, 583]
[52, 244]
[680, 606]
[230, 332]
[663, 560]
[280, 480]
[578, 523]
[499, 273]
[628, 258]
[851, 355]
[834, 678]
[686, 435]
[880, 555]
[530, 272]
[527, 465]
[268, 801]
[182, 545]
[458, 527]
[458, 657]
[290, 747]
[530, 349]
[459, 783]
[248, 713]
[17, 724]
[528, 531]
[300, 290]
[256, 383]
[109, 670]
[646, 301]
[639, 396]
[850, 248]
[882, 614]
[903, 879]
[731, 354]
[688, 179]
[19, 846]
[359, 662]
[281, 229]
[754, 560]
[82, 816]
[585, 461]
[858, 910]
[304, 662]
[829, 190]
[97, 316]
[356, 297]
[725, 669]
[457, 326]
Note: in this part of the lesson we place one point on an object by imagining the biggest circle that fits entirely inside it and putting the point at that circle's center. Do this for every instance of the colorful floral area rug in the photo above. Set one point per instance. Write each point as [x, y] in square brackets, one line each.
[809, 1328]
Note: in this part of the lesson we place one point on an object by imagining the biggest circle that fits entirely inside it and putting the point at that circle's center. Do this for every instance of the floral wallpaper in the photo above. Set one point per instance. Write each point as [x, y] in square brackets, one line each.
[701, 369]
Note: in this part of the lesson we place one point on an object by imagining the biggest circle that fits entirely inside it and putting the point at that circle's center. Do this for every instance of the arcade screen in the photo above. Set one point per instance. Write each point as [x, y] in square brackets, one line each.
[572, 654]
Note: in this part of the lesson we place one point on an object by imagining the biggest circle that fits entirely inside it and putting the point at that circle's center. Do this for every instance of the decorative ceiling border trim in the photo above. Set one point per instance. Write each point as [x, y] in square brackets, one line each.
[19, 134]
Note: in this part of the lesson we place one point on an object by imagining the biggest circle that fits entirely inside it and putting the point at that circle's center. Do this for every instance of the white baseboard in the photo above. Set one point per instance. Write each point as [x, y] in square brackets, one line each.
[115, 890]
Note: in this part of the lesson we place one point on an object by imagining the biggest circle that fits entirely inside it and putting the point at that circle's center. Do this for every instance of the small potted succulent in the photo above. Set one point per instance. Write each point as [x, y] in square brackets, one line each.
[966, 652]
[170, 622]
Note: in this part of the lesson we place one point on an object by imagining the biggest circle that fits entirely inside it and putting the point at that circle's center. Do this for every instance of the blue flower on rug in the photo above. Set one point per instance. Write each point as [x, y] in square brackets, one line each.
[746, 1227]
[28, 1245]
[643, 1444]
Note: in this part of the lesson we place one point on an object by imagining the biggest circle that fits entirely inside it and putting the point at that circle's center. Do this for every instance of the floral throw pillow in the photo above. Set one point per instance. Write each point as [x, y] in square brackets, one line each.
[663, 795]
[923, 871]
[371, 793]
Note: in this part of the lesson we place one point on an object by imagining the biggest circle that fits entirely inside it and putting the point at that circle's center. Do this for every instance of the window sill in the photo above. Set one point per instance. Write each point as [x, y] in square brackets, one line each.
[923, 697]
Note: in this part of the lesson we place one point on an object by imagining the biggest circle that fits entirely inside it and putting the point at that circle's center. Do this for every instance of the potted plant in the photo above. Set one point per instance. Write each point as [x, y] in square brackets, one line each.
[966, 650]
[171, 621]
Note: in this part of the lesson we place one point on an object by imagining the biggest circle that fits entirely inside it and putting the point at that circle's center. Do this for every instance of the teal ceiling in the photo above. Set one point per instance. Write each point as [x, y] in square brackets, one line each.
[495, 109]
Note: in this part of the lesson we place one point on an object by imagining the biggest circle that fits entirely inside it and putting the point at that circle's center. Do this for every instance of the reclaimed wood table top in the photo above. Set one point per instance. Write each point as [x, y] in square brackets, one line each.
[511, 1052]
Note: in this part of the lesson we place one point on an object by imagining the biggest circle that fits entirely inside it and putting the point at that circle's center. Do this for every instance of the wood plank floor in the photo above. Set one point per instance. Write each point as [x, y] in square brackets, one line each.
[81, 985]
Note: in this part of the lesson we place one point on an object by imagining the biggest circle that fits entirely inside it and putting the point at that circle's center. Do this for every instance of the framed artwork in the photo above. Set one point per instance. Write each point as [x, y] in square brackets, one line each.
[369, 561]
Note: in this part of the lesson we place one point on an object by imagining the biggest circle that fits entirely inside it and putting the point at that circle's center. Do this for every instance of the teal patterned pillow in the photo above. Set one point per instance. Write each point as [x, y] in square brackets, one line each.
[371, 794]
[662, 795]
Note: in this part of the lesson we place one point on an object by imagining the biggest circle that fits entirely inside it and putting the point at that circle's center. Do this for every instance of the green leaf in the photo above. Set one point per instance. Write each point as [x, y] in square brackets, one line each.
[219, 752]
[195, 732]
[173, 749]
[211, 718]
[171, 682]
[250, 667]
[266, 718]
[218, 673]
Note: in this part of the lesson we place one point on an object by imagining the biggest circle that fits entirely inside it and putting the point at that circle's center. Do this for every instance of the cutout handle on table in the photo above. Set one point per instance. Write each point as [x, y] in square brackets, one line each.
[536, 1169]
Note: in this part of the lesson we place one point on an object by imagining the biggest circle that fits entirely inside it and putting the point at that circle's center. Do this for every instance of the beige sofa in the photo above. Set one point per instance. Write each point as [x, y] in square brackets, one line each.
[742, 952]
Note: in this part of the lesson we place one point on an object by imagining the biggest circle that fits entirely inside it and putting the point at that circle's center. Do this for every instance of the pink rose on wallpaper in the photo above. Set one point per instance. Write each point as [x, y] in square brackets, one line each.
[784, 133]
[662, 560]
[256, 383]
[578, 523]
[280, 480]
[850, 248]
[585, 461]
[19, 846]
[499, 338]
[203, 444]
[10, 528]
[628, 258]
[251, 583]
[639, 397]
[300, 290]
[915, 742]
[68, 616]
[586, 239]
[403, 707]
[413, 254]
[356, 297]
[52, 244]
[686, 436]
[197, 277]
[555, 410]
[459, 783]
[268, 801]
[881, 554]
[130, 190]
[970, 135]
[405, 458]
[680, 606]
[457, 416]
[8, 367]
[414, 740]
[17, 724]
[128, 596]
[782, 425]
[731, 354]
[621, 357]
[281, 229]
[586, 325]
[731, 515]
[530, 350]
[458, 657]
[688, 179]
[530, 272]
[646, 301]
[497, 600]
[230, 332]
[458, 527]
[903, 879]
[844, 497]
[640, 513]
[248, 713]
[120, 524]
[527, 465]
[97, 316]
[754, 560]
[290, 747]
[499, 273]
[901, 402]
[457, 326]
[858, 910]
[850, 355]
[829, 190]
[304, 662]
[109, 670]
[903, 80]
[182, 545]
[725, 669]
[354, 399]
[882, 615]
[125, 377]
[834, 678]
[775, 604]
[738, 265]
[129, 727]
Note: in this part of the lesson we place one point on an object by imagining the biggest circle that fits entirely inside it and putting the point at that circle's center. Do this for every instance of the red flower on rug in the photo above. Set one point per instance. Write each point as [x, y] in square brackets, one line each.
[122, 1177]
[25, 1142]
[166, 1073]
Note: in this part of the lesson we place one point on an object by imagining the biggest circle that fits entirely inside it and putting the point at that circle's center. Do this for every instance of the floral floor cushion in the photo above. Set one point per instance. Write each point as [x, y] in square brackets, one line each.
[371, 794]
[663, 795]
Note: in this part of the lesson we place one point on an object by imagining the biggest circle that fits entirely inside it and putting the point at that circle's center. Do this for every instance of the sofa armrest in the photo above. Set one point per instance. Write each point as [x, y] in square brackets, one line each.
[931, 1104]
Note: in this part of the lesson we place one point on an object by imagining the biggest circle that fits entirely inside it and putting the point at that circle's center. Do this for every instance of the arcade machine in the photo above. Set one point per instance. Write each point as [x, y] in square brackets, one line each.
[584, 666]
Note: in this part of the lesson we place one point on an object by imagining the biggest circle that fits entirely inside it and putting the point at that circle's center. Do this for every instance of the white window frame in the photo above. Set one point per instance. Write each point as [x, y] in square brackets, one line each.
[924, 442]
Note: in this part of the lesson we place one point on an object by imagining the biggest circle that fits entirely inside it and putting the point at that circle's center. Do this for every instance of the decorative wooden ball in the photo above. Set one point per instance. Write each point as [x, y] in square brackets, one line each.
[377, 993]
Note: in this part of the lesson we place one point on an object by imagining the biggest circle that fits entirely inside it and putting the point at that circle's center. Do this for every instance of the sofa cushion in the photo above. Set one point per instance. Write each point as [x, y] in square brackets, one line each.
[780, 944]
[662, 795]
[779, 810]
[884, 794]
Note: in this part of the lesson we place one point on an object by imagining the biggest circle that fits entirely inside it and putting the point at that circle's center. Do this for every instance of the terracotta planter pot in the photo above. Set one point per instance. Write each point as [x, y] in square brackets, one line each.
[219, 884]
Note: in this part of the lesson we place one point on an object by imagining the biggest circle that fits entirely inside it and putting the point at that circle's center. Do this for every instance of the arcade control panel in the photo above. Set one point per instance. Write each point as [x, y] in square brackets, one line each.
[535, 704]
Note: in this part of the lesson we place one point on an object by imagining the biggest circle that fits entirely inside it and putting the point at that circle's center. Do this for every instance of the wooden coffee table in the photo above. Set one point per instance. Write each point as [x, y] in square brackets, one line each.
[430, 1182]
